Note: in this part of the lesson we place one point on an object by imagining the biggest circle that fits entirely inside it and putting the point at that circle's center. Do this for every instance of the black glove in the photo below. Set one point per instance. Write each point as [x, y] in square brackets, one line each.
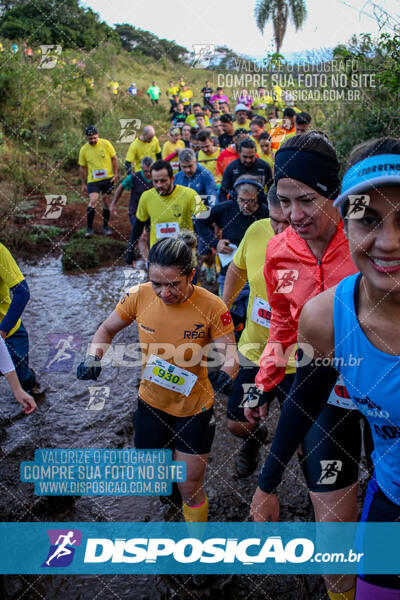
[88, 369]
[254, 398]
[221, 382]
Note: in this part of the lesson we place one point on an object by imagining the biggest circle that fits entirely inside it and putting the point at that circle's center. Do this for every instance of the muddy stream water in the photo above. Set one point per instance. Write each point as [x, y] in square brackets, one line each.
[74, 305]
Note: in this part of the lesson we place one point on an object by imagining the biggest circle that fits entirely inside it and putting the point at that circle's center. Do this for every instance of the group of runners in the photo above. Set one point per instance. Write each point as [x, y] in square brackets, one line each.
[321, 263]
[309, 300]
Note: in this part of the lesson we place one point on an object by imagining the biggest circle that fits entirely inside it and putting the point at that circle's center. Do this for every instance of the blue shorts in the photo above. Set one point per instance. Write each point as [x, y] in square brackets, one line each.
[377, 509]
[157, 429]
[18, 347]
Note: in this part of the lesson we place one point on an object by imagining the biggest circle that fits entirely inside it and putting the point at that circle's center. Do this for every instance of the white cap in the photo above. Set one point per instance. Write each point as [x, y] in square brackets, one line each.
[241, 107]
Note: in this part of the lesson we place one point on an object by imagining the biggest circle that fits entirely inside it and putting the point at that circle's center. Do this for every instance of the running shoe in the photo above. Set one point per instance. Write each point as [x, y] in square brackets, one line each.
[249, 453]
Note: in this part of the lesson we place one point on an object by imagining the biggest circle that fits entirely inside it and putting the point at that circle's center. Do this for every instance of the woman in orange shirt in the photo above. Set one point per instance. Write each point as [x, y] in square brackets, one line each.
[177, 321]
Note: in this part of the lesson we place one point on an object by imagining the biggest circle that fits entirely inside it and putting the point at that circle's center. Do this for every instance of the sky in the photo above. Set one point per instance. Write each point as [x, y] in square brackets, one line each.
[231, 23]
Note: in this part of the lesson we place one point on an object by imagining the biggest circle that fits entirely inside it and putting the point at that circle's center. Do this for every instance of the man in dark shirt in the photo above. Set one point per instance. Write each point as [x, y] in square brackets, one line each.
[137, 183]
[179, 115]
[246, 164]
[207, 92]
[234, 217]
[226, 139]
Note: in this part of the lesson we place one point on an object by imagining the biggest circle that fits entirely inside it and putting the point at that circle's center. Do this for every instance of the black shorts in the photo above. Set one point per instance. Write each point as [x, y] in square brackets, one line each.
[332, 450]
[105, 186]
[246, 376]
[156, 429]
[377, 509]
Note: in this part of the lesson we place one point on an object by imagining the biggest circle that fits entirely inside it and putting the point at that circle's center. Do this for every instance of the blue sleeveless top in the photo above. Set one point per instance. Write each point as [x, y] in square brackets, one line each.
[372, 379]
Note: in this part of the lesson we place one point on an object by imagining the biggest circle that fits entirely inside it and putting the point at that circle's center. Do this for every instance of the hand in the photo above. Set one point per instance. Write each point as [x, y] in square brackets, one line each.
[26, 401]
[264, 507]
[84, 189]
[3, 334]
[253, 411]
[223, 247]
[88, 369]
[253, 415]
[113, 209]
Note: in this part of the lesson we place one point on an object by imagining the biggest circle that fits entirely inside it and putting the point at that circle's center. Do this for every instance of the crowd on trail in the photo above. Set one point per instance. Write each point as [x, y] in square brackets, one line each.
[247, 197]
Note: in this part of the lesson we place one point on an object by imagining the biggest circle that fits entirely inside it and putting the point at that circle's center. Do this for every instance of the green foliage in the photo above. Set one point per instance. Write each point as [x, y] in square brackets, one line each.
[81, 254]
[137, 40]
[375, 113]
[55, 22]
[44, 234]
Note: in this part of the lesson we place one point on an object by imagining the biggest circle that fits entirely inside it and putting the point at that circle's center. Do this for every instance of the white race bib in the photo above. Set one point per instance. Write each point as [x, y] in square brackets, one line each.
[261, 312]
[164, 230]
[339, 395]
[168, 376]
[175, 165]
[99, 174]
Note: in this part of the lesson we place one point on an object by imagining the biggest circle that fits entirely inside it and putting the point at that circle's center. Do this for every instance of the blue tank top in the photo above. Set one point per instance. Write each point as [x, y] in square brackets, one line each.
[372, 379]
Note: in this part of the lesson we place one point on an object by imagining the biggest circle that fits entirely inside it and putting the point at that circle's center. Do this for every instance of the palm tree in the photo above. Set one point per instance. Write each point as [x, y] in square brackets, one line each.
[278, 11]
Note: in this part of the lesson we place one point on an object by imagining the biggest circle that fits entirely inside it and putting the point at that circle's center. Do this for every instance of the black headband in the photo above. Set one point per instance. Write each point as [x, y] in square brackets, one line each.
[319, 171]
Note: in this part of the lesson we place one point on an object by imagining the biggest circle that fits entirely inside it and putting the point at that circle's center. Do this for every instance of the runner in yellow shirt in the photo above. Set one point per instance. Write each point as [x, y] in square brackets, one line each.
[114, 87]
[197, 110]
[172, 91]
[248, 266]
[277, 97]
[176, 393]
[172, 147]
[145, 145]
[12, 329]
[242, 120]
[186, 96]
[169, 207]
[264, 142]
[261, 102]
[98, 168]
[208, 153]
[257, 127]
